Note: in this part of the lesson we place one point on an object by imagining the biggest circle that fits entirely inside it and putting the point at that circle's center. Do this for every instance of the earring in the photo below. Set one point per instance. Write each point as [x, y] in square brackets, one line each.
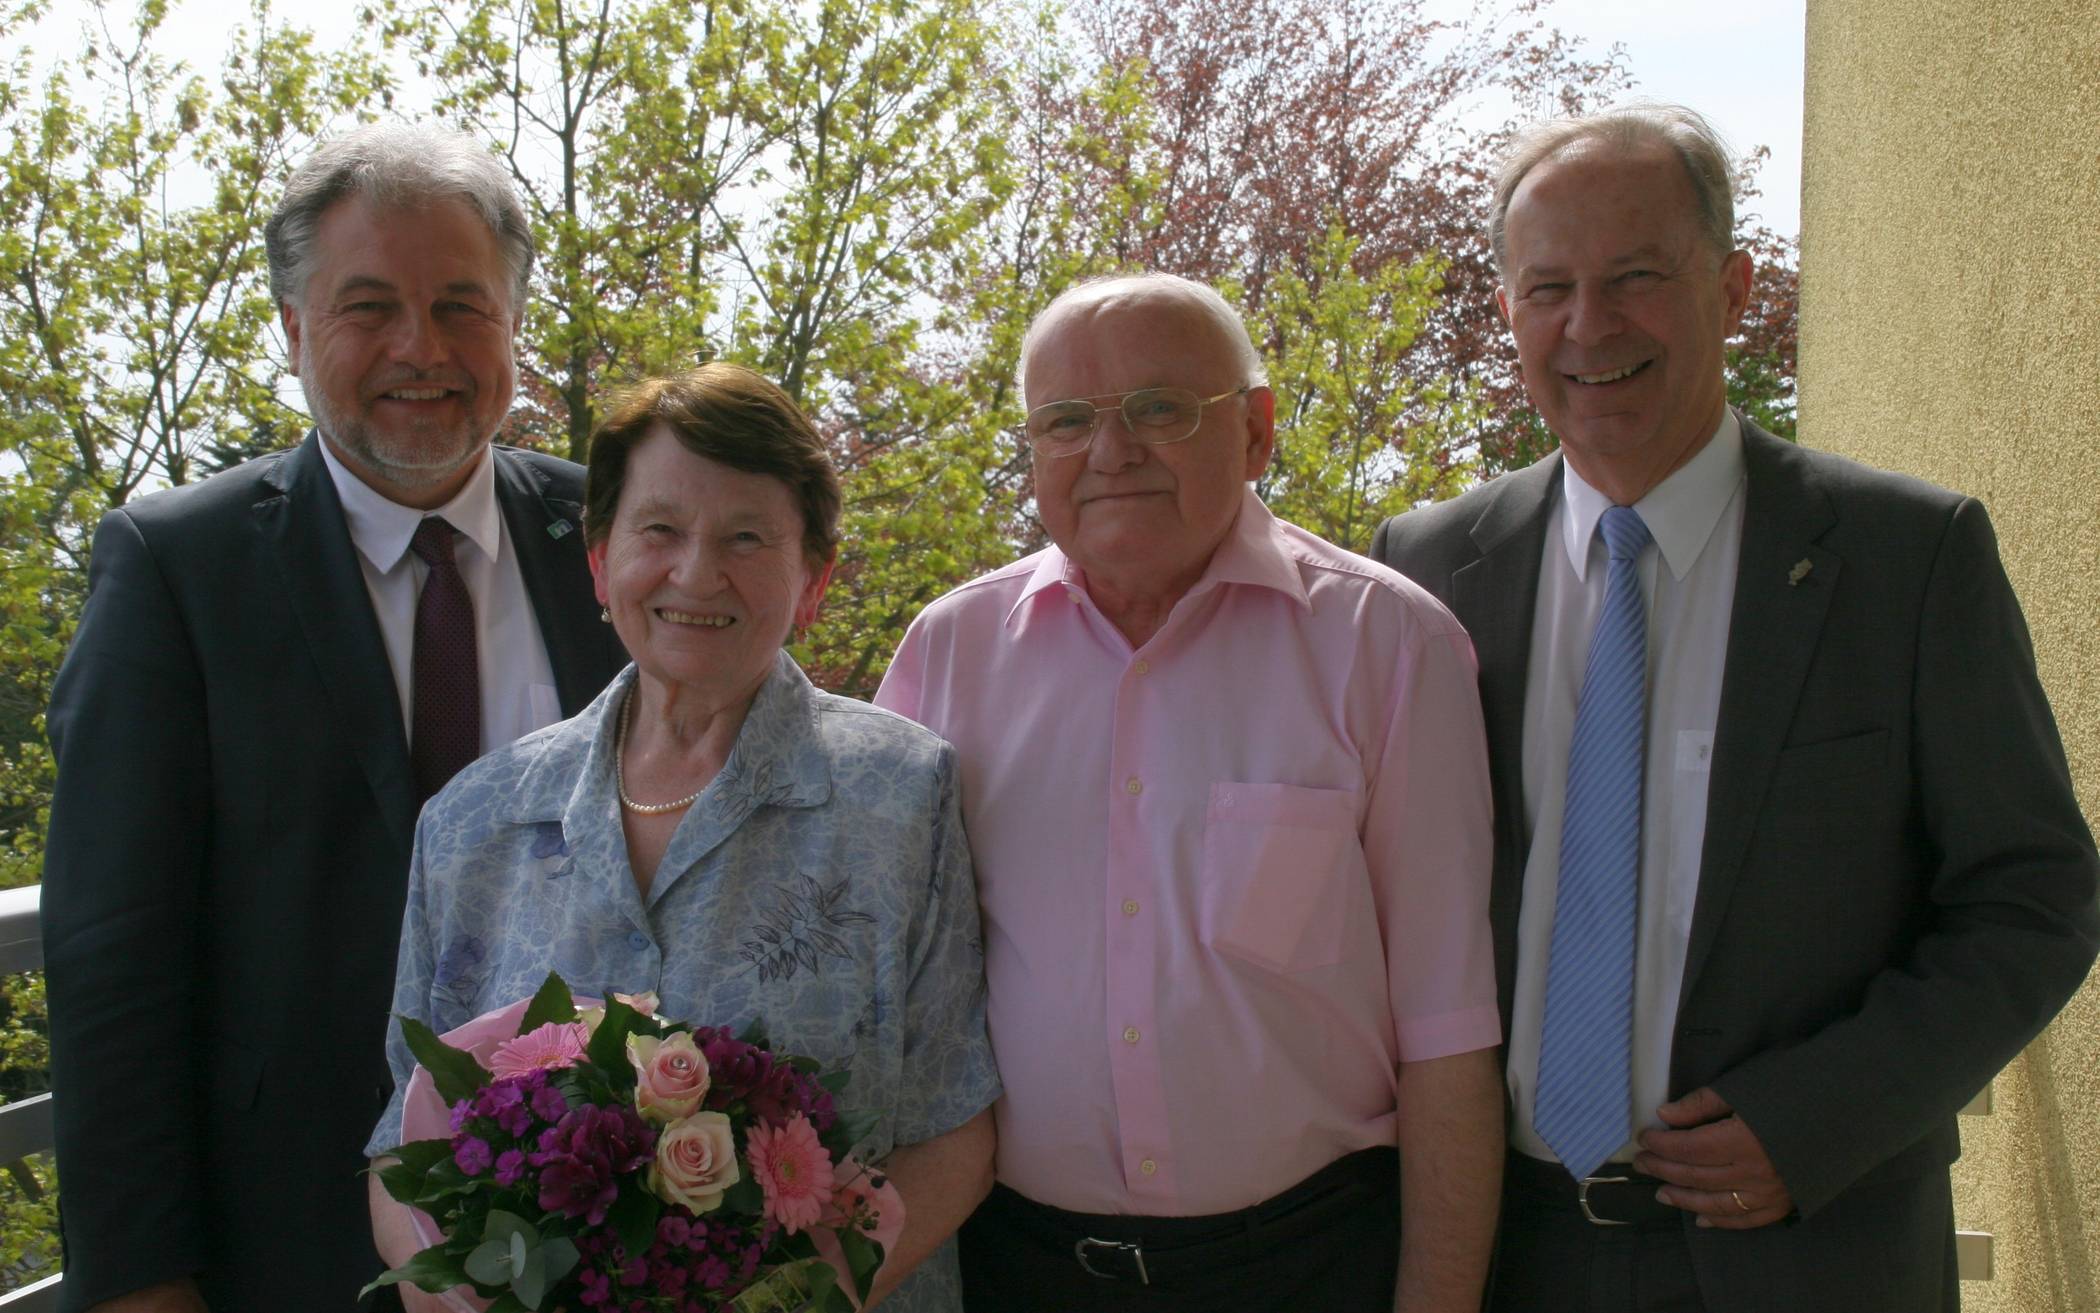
[605, 615]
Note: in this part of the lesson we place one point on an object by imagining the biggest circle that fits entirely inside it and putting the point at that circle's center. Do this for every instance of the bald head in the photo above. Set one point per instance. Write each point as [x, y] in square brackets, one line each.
[1201, 309]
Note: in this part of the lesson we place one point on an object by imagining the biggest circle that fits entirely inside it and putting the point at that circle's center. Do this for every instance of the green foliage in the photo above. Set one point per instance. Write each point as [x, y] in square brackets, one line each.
[1357, 437]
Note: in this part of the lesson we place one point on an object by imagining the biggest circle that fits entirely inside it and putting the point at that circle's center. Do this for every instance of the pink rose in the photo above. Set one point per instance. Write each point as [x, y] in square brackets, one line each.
[695, 1162]
[670, 1076]
[644, 1002]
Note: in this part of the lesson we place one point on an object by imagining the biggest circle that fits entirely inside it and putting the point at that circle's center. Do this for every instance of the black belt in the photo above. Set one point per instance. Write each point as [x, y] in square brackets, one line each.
[1616, 1196]
[1158, 1250]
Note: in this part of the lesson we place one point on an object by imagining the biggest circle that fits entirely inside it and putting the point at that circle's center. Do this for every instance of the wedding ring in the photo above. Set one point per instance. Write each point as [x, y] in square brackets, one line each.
[1738, 1201]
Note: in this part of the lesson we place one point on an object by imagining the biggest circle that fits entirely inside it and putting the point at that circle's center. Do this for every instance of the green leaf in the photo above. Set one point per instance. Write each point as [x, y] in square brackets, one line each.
[608, 1049]
[855, 1125]
[746, 1196]
[404, 1178]
[561, 1256]
[432, 1269]
[455, 1072]
[863, 1257]
[552, 1003]
[508, 1302]
[835, 1081]
[633, 1215]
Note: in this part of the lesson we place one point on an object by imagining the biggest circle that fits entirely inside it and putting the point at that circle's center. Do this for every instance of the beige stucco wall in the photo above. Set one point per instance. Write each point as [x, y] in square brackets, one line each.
[1950, 326]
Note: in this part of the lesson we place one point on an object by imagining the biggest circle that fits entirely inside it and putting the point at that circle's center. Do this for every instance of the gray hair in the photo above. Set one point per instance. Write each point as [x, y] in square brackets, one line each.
[1698, 146]
[400, 165]
[1232, 329]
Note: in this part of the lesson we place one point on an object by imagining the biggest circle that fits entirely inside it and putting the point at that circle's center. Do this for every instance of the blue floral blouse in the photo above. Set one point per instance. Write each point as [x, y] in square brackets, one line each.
[821, 885]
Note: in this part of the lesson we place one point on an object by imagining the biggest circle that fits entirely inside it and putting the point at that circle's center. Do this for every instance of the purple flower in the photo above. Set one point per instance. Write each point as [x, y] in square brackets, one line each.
[515, 1120]
[712, 1272]
[635, 1273]
[461, 1113]
[548, 1104]
[473, 1156]
[510, 1165]
[582, 1159]
[673, 1229]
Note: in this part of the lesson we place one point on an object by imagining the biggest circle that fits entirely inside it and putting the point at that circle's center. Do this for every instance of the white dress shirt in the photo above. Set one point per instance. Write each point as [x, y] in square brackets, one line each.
[1696, 519]
[517, 681]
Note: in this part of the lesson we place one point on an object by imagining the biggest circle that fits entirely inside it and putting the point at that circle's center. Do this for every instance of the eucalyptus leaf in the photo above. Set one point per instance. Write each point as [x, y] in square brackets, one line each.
[490, 1263]
[561, 1256]
[530, 1284]
[455, 1072]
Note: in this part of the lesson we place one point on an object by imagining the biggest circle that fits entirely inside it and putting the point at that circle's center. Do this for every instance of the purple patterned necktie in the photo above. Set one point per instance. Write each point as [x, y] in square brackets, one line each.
[446, 713]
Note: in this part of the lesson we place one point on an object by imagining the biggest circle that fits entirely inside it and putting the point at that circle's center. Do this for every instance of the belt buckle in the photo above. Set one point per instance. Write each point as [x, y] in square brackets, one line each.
[1582, 1199]
[1136, 1252]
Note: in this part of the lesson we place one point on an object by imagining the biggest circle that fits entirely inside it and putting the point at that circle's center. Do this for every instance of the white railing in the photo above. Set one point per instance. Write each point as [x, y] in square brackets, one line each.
[25, 1127]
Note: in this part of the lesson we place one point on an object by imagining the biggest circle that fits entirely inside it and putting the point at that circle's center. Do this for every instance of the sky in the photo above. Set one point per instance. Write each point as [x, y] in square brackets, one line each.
[1739, 64]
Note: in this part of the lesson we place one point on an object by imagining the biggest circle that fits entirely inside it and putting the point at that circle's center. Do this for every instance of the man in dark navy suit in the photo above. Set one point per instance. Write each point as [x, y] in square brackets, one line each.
[274, 669]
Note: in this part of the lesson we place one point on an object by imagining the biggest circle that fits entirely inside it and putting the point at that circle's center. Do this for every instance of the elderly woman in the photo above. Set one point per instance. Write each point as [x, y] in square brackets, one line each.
[715, 829]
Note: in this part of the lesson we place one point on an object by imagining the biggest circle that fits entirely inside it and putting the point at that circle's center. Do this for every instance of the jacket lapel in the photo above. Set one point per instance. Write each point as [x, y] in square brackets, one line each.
[547, 532]
[1496, 598]
[301, 522]
[1772, 632]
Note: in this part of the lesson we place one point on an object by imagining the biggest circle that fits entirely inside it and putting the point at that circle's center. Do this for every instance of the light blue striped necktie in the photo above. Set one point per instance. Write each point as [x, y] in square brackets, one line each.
[1585, 1086]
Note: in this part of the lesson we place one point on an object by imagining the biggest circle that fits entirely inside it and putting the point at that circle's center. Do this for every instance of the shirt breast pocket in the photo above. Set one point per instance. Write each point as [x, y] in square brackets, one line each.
[1282, 866]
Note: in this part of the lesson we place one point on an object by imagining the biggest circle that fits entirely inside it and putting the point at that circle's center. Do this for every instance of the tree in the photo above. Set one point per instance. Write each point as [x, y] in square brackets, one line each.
[1341, 372]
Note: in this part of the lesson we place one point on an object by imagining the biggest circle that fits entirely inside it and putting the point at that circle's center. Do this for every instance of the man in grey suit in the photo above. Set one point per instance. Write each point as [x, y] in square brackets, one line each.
[1780, 890]
[274, 669]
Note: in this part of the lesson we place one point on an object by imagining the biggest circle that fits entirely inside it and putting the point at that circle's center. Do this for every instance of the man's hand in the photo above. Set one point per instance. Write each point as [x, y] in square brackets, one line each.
[168, 1297]
[1716, 1167]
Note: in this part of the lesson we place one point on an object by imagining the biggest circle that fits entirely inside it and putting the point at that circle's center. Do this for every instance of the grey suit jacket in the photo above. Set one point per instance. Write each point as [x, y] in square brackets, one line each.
[225, 872]
[1896, 890]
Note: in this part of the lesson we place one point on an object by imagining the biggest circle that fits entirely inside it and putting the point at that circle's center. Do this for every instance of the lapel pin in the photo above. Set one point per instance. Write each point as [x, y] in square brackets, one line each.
[558, 529]
[1799, 572]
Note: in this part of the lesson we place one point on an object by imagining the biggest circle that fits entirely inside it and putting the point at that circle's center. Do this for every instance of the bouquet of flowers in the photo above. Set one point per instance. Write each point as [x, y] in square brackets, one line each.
[606, 1158]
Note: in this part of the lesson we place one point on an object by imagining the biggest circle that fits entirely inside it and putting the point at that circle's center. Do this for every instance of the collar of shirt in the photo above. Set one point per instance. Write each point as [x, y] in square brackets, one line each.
[381, 528]
[1680, 512]
[779, 757]
[1254, 552]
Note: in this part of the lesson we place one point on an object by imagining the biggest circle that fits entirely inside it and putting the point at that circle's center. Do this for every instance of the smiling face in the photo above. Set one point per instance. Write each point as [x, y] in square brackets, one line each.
[704, 571]
[1144, 520]
[1620, 309]
[403, 339]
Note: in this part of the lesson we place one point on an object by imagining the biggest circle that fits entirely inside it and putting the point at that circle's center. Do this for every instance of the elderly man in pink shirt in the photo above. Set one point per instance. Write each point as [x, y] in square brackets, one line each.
[1227, 792]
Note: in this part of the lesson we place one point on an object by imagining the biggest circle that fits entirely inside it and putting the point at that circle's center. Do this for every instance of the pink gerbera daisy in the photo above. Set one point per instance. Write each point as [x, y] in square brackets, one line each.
[556, 1044]
[793, 1170]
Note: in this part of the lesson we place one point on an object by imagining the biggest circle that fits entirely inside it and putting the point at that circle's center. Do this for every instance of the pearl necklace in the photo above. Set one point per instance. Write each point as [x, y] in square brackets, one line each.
[620, 773]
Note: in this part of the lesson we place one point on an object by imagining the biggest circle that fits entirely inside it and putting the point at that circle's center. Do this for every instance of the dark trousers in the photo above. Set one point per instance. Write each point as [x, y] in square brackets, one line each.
[1330, 1242]
[1550, 1258]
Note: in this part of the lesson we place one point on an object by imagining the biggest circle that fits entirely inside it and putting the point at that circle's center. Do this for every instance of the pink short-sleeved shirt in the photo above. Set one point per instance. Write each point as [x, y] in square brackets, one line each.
[1229, 879]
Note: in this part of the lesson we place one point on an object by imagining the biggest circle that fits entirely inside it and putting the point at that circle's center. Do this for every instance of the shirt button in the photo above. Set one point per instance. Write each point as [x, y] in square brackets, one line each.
[1143, 667]
[1133, 786]
[1148, 1167]
[1130, 1034]
[638, 941]
[1130, 907]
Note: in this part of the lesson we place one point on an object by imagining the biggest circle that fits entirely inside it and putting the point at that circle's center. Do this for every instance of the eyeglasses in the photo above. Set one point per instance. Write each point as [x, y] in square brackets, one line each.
[1154, 416]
